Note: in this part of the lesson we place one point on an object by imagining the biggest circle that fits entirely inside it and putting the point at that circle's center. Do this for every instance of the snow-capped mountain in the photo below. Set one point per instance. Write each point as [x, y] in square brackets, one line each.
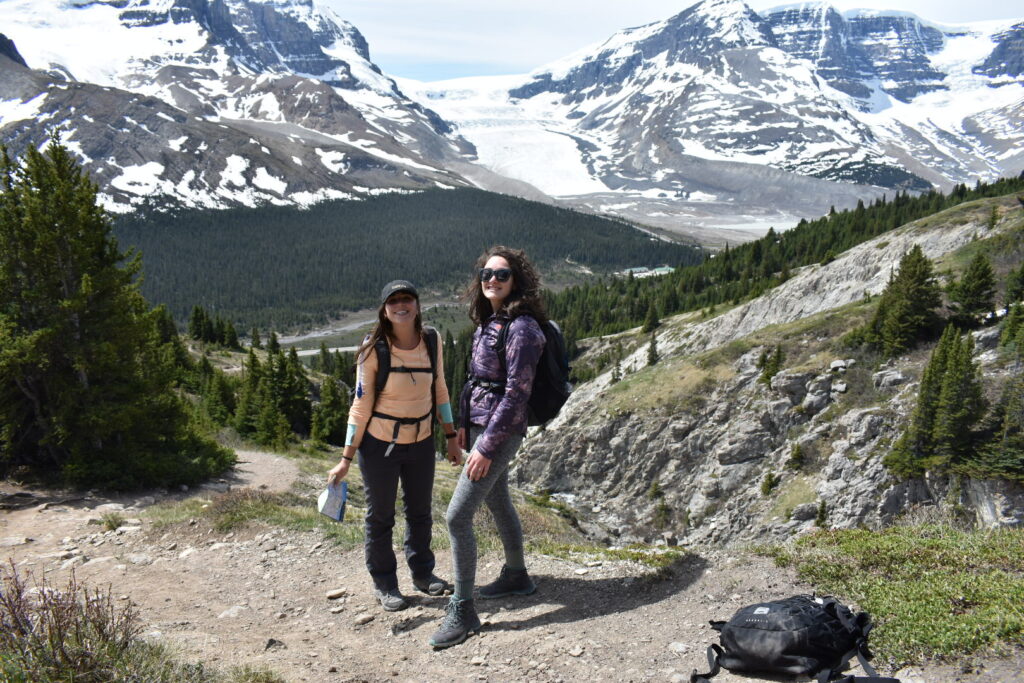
[717, 116]
[720, 107]
[217, 102]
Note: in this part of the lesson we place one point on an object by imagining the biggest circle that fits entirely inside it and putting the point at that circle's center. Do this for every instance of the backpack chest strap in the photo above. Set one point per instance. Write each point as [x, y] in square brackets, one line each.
[399, 422]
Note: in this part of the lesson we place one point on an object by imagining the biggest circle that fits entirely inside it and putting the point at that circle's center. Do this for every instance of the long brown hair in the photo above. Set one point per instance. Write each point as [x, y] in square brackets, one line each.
[383, 329]
[525, 297]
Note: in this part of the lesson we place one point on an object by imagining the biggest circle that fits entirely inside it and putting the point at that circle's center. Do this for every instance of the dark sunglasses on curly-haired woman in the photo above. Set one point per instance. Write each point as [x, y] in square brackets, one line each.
[499, 274]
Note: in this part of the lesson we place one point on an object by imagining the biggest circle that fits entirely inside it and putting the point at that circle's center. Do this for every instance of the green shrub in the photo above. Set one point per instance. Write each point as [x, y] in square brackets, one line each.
[934, 591]
[796, 458]
[662, 515]
[112, 520]
[821, 519]
[769, 483]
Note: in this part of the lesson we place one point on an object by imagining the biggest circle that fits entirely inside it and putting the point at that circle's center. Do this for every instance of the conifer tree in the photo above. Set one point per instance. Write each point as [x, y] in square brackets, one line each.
[254, 339]
[273, 345]
[652, 351]
[197, 322]
[906, 309]
[218, 398]
[231, 336]
[324, 360]
[651, 321]
[1003, 455]
[911, 454]
[330, 418]
[974, 294]
[85, 379]
[960, 404]
[1011, 324]
[1014, 286]
[249, 404]
[295, 403]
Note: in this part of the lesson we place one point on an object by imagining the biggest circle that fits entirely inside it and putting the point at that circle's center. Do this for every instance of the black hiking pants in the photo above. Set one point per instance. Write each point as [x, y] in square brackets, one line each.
[412, 466]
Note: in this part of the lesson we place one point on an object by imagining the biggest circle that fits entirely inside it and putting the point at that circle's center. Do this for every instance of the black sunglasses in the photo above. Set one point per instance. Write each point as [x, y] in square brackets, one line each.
[499, 274]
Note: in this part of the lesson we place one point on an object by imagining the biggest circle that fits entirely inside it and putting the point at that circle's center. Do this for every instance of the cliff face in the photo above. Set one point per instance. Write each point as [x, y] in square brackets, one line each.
[683, 448]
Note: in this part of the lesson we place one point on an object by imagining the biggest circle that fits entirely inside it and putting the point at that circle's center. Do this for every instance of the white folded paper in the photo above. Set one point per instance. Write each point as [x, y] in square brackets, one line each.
[332, 501]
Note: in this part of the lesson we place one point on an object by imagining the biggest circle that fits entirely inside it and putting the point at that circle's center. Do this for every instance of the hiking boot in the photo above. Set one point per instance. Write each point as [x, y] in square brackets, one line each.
[460, 619]
[390, 599]
[510, 582]
[432, 585]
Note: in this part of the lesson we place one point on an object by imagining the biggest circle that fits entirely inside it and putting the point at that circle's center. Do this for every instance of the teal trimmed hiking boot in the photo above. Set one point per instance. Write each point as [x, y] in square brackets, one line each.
[460, 619]
[432, 585]
[510, 582]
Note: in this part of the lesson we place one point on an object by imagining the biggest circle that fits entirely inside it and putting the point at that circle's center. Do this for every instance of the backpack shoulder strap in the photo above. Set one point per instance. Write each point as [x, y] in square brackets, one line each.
[714, 652]
[430, 337]
[383, 365]
[502, 340]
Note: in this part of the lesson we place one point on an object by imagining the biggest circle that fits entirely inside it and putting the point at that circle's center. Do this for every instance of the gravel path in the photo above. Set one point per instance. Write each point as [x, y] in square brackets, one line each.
[261, 597]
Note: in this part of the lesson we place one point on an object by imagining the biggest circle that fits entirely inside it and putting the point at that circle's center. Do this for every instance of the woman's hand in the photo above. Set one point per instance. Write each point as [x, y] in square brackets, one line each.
[454, 452]
[461, 438]
[477, 466]
[338, 472]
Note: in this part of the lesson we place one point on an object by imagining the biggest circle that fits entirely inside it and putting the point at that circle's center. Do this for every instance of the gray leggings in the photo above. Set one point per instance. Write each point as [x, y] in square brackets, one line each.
[492, 489]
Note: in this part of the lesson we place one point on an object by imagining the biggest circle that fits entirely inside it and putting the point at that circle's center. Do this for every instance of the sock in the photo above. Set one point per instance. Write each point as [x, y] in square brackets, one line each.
[463, 590]
[515, 561]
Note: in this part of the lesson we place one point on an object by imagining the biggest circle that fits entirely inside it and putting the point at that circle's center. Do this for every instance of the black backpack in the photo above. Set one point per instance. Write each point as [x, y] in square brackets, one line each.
[384, 369]
[801, 635]
[551, 386]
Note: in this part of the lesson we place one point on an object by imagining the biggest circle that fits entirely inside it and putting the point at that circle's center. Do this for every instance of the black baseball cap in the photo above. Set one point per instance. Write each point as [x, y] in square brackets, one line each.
[397, 286]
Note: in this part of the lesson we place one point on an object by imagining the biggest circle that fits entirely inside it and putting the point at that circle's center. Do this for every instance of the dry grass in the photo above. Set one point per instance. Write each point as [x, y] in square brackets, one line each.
[51, 635]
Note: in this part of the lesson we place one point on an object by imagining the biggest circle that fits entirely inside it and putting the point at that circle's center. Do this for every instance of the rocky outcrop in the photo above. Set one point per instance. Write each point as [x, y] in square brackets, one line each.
[851, 54]
[8, 50]
[1007, 58]
[743, 460]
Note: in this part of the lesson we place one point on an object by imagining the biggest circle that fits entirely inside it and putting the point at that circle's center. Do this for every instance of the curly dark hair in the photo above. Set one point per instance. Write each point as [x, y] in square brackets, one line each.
[383, 330]
[525, 298]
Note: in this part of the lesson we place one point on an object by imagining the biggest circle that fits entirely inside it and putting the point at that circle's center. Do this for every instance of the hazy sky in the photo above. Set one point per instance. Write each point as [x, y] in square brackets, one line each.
[451, 38]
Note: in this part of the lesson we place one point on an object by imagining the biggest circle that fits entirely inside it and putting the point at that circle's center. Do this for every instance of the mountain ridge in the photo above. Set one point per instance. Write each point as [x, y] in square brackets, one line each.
[675, 124]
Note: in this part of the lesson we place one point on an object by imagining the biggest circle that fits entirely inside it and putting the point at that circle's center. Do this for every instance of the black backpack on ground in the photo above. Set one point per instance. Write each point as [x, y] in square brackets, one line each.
[551, 386]
[384, 369]
[801, 635]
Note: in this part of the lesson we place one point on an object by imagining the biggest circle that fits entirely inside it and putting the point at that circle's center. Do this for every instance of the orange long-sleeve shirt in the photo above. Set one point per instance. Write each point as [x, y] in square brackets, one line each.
[405, 395]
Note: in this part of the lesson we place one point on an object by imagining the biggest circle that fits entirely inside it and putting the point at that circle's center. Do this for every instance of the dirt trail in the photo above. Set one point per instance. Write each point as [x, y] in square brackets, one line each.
[260, 597]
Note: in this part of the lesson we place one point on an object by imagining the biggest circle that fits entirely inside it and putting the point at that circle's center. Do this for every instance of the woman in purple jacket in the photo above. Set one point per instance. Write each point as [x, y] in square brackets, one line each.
[506, 291]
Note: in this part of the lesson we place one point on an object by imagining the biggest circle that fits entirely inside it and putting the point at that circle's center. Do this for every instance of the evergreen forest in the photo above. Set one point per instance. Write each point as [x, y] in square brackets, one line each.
[747, 271]
[283, 267]
[89, 374]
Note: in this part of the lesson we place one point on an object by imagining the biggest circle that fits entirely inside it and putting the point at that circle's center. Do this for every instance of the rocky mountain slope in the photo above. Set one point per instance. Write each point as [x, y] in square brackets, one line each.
[682, 118]
[218, 102]
[715, 117]
[682, 448]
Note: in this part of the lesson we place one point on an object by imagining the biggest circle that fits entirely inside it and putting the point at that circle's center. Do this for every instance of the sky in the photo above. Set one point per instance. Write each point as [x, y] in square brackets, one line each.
[444, 39]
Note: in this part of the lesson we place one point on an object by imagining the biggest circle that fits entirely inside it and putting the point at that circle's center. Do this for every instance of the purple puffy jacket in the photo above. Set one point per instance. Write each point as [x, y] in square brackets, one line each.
[502, 414]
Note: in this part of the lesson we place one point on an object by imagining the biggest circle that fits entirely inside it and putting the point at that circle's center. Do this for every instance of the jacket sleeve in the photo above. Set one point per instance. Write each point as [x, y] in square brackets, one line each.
[362, 403]
[523, 349]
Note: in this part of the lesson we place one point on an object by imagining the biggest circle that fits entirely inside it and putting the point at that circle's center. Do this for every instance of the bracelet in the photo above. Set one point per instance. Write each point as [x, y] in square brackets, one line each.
[345, 457]
[451, 436]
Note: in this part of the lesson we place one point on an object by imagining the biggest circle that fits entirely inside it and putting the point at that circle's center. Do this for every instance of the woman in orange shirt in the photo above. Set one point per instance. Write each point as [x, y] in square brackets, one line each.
[392, 434]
